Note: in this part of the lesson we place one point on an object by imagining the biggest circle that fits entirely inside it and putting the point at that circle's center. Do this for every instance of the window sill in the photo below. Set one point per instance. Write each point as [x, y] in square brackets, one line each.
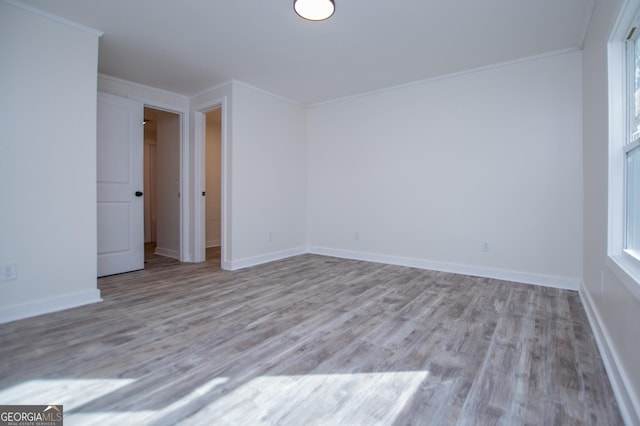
[627, 269]
[635, 254]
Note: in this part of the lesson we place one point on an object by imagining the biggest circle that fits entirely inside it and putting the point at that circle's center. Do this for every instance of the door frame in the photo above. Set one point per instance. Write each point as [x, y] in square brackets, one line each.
[184, 170]
[199, 173]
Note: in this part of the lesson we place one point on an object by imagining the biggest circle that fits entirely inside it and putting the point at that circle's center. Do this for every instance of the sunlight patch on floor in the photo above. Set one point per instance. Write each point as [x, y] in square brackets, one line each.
[143, 416]
[353, 399]
[71, 393]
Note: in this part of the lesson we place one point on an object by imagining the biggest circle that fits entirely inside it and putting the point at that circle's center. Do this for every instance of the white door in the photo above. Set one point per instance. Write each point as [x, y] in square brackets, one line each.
[120, 185]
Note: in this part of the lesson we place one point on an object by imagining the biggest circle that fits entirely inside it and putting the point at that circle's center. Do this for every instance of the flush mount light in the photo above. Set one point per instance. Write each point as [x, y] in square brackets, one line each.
[314, 10]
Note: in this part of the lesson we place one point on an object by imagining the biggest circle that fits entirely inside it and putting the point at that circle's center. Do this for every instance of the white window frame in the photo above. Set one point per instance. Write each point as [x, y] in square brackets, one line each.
[621, 262]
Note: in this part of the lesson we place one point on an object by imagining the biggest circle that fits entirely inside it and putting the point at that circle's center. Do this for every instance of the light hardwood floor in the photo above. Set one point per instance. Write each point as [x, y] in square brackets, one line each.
[311, 340]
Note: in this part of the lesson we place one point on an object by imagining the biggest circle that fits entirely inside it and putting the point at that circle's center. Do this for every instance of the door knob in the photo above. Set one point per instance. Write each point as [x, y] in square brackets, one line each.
[138, 194]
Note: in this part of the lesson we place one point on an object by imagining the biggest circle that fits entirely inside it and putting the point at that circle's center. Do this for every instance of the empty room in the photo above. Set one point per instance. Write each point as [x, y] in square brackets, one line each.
[320, 212]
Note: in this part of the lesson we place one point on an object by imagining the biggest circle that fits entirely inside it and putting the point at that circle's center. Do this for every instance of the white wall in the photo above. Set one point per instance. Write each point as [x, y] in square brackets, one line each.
[168, 184]
[213, 162]
[150, 181]
[615, 312]
[263, 173]
[428, 172]
[47, 163]
[269, 177]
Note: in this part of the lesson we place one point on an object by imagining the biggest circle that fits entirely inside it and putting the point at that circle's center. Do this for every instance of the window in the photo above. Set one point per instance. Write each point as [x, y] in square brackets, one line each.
[624, 147]
[631, 147]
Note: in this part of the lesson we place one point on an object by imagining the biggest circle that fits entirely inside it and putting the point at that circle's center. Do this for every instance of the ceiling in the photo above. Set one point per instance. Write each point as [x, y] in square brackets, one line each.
[188, 46]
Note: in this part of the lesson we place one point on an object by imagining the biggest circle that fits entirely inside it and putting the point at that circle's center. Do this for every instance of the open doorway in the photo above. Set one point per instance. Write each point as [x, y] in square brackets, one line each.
[161, 183]
[203, 190]
[213, 183]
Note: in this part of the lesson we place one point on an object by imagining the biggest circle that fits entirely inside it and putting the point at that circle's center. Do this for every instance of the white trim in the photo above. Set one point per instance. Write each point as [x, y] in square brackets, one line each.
[46, 306]
[174, 254]
[266, 92]
[211, 89]
[628, 401]
[454, 268]
[617, 131]
[626, 269]
[199, 178]
[213, 243]
[625, 14]
[247, 262]
[173, 109]
[198, 214]
[451, 75]
[183, 226]
[631, 146]
[142, 86]
[586, 22]
[53, 17]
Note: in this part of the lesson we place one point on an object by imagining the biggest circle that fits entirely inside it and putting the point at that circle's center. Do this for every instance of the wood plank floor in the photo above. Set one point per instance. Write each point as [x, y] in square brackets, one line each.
[311, 340]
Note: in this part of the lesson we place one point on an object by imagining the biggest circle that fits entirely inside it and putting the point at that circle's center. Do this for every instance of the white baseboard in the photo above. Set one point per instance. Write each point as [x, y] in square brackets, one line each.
[265, 258]
[500, 274]
[212, 243]
[628, 401]
[168, 253]
[46, 306]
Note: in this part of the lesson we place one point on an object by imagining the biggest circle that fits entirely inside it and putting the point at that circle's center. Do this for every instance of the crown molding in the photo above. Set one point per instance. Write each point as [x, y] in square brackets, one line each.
[53, 17]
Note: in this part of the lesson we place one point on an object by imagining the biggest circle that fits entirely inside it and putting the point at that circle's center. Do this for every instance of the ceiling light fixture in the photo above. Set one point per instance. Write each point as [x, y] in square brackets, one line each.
[314, 10]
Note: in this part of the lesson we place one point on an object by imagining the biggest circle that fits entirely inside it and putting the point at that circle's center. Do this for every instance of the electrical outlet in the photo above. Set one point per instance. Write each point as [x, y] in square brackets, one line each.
[270, 236]
[356, 236]
[601, 282]
[8, 272]
[485, 248]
